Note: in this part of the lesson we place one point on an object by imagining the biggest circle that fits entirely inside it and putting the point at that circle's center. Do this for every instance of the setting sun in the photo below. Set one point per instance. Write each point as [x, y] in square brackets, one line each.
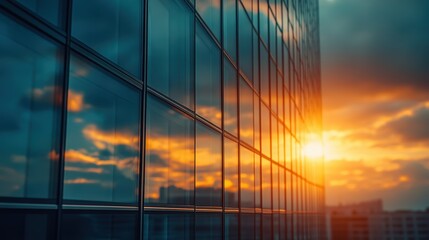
[313, 149]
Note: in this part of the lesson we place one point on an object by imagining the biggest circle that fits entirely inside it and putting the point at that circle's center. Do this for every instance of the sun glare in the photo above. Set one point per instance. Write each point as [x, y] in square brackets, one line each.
[313, 149]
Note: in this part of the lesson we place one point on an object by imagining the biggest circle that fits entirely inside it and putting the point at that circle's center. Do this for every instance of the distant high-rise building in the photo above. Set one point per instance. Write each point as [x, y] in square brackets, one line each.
[368, 220]
[160, 119]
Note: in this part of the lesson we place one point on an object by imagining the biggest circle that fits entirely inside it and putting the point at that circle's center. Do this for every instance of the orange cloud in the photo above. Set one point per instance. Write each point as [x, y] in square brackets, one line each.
[75, 102]
[104, 139]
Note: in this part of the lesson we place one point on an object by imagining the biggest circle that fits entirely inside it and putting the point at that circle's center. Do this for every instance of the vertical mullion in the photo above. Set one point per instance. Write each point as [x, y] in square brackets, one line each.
[67, 12]
[144, 28]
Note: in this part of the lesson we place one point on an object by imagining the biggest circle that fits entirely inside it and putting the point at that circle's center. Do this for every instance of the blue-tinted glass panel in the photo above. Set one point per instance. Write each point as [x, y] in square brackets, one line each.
[102, 142]
[118, 226]
[48, 9]
[279, 49]
[208, 78]
[266, 184]
[272, 32]
[247, 226]
[30, 101]
[170, 50]
[265, 80]
[208, 226]
[210, 12]
[208, 167]
[27, 224]
[256, 61]
[112, 28]
[231, 173]
[162, 226]
[245, 46]
[230, 100]
[246, 112]
[247, 178]
[230, 28]
[231, 227]
[169, 155]
[263, 20]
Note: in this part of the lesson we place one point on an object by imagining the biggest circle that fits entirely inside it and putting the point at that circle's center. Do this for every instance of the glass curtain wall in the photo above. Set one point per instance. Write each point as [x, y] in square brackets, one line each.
[159, 119]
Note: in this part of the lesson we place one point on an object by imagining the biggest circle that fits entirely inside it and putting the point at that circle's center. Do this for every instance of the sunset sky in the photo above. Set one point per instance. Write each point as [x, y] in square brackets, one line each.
[375, 77]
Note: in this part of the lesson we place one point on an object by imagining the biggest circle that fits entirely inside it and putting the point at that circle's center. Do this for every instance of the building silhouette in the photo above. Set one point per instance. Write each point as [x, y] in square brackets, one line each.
[160, 119]
[368, 220]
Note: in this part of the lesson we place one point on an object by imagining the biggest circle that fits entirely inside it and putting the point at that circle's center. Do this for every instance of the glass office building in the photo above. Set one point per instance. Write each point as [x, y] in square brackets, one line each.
[159, 119]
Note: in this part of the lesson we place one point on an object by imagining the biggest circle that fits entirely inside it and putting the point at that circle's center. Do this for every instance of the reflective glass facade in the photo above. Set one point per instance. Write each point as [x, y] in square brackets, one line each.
[160, 119]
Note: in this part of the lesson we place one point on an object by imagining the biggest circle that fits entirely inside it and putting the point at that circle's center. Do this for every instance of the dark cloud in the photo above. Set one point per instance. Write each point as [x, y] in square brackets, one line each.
[41, 99]
[373, 47]
[411, 129]
[9, 122]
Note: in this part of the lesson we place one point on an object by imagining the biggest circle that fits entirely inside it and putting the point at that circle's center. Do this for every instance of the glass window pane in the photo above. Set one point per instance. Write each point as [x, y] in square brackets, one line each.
[276, 225]
[209, 10]
[169, 155]
[170, 51]
[229, 28]
[30, 101]
[281, 144]
[282, 189]
[48, 9]
[245, 45]
[256, 123]
[263, 20]
[102, 142]
[280, 97]
[257, 181]
[247, 226]
[273, 85]
[230, 98]
[266, 184]
[256, 61]
[231, 227]
[120, 226]
[265, 130]
[246, 113]
[231, 173]
[208, 167]
[272, 29]
[27, 224]
[274, 140]
[160, 226]
[208, 226]
[208, 78]
[247, 178]
[265, 84]
[267, 226]
[258, 219]
[275, 180]
[114, 31]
